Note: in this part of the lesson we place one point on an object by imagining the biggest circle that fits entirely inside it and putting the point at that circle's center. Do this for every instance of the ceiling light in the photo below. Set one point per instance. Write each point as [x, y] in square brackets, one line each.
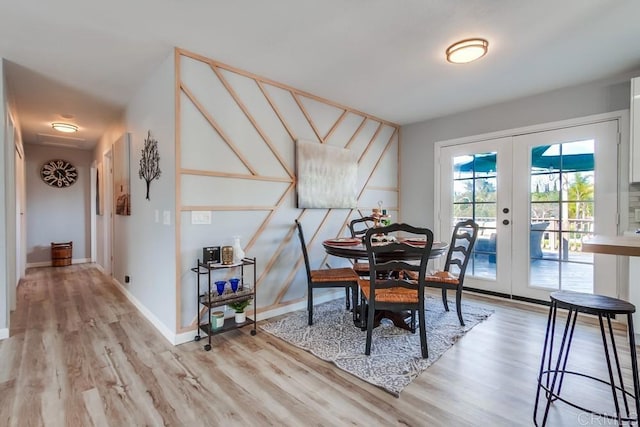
[64, 127]
[467, 50]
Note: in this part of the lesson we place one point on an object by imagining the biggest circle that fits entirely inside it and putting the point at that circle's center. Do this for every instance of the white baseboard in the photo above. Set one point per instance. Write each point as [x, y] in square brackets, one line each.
[166, 332]
[185, 337]
[329, 296]
[39, 264]
[49, 263]
[4, 333]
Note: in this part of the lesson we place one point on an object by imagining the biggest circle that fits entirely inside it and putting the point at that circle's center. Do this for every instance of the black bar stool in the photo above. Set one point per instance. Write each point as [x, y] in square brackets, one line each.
[550, 379]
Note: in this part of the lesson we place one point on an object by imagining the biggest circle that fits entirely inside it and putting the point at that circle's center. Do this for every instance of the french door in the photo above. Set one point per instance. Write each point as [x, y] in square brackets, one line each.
[476, 184]
[535, 197]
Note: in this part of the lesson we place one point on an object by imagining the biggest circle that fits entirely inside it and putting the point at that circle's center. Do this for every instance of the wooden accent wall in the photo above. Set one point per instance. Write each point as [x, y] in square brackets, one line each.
[235, 157]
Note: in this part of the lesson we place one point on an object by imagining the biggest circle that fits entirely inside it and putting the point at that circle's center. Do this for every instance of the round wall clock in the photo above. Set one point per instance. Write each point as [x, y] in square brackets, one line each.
[58, 173]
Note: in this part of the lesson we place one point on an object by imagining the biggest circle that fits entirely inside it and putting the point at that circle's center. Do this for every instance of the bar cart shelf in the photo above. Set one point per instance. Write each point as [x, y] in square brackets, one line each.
[210, 299]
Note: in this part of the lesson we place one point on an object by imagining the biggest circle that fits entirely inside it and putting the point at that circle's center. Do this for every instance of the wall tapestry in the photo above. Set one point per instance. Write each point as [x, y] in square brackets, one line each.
[327, 176]
[121, 175]
[149, 162]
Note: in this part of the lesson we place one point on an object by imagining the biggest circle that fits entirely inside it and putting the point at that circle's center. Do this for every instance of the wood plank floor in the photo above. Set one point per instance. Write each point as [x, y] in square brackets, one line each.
[80, 354]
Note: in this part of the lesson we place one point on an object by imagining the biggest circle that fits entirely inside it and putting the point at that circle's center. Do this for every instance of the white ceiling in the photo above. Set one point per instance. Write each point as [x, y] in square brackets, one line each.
[384, 57]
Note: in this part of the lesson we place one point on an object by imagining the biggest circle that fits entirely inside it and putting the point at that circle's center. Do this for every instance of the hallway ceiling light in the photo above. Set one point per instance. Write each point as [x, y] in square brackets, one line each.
[467, 50]
[64, 127]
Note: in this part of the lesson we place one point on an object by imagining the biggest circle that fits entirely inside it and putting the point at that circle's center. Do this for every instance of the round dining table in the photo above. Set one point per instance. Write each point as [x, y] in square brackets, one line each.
[354, 248]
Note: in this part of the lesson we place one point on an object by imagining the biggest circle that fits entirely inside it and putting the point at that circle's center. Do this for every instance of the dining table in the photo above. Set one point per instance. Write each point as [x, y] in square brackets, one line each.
[353, 248]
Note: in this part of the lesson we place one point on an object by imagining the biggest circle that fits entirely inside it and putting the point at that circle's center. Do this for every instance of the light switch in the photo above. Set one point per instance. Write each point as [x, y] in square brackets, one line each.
[200, 217]
[637, 215]
[166, 218]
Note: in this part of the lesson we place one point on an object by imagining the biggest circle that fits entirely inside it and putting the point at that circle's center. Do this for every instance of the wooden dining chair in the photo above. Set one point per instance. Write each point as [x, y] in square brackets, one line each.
[358, 227]
[385, 289]
[452, 276]
[327, 278]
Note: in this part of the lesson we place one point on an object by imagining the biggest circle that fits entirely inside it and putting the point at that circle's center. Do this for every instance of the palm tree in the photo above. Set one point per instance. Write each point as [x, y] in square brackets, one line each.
[580, 195]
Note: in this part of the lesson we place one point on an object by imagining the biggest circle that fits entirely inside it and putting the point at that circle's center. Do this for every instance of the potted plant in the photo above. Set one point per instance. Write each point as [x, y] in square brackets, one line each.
[239, 307]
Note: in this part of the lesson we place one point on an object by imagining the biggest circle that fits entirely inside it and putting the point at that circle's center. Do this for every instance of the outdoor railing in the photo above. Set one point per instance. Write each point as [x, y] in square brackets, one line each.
[573, 231]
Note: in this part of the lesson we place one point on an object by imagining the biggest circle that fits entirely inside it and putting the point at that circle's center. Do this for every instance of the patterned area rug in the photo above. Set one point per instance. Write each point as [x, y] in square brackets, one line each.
[395, 358]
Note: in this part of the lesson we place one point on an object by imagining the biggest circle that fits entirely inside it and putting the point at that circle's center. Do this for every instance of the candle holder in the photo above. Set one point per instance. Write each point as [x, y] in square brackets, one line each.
[227, 255]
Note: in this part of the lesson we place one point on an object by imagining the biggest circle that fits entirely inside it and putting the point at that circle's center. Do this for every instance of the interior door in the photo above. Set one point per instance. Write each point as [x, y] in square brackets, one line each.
[476, 181]
[107, 218]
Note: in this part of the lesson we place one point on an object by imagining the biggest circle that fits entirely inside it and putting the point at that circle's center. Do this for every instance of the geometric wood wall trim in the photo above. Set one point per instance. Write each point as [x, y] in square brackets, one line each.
[255, 108]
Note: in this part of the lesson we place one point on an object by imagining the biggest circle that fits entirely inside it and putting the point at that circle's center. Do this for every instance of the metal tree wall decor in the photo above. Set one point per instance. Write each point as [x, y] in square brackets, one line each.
[150, 161]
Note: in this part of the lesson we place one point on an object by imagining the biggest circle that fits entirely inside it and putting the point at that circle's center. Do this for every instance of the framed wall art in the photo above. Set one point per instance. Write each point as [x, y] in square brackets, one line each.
[122, 175]
[326, 176]
[99, 189]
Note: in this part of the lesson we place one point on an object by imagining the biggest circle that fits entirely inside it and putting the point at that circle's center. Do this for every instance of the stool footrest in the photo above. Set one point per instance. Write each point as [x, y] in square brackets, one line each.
[556, 396]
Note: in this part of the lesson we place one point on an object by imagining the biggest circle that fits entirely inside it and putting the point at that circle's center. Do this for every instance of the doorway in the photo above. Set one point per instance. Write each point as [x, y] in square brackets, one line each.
[535, 197]
[105, 214]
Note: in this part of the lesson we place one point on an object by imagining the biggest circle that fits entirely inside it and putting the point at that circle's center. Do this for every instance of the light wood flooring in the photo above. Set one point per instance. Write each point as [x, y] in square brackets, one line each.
[80, 354]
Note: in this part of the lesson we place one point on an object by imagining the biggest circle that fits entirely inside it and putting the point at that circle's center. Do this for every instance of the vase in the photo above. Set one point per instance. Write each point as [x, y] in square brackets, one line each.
[220, 286]
[241, 317]
[238, 253]
[234, 284]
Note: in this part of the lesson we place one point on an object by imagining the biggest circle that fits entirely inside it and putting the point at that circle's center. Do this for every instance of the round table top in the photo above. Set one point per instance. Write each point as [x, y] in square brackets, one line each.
[359, 251]
[592, 304]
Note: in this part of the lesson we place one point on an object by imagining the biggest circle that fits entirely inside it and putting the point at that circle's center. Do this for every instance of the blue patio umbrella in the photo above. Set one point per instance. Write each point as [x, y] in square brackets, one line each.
[569, 162]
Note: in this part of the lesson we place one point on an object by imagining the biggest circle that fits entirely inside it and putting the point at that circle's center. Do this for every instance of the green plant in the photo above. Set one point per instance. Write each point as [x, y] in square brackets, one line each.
[239, 306]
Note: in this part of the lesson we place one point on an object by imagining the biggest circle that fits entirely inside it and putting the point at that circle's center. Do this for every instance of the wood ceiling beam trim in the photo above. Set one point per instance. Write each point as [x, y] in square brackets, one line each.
[225, 208]
[371, 141]
[217, 128]
[260, 230]
[178, 195]
[335, 125]
[355, 134]
[198, 172]
[276, 110]
[340, 230]
[280, 85]
[289, 280]
[251, 119]
[373, 170]
[307, 116]
[394, 189]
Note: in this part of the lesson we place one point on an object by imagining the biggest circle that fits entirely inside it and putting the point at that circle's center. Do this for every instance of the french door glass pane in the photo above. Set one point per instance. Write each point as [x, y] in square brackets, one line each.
[475, 197]
[562, 208]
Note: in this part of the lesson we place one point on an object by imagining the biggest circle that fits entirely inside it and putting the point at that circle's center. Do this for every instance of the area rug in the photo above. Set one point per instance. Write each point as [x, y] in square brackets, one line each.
[395, 358]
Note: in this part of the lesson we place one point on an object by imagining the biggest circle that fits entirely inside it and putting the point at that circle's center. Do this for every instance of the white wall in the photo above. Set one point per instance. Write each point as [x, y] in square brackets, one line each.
[237, 158]
[57, 214]
[145, 249]
[103, 232]
[6, 181]
[418, 139]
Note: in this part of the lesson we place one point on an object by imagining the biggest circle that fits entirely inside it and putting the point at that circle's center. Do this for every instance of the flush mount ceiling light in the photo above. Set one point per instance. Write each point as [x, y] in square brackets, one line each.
[467, 50]
[64, 127]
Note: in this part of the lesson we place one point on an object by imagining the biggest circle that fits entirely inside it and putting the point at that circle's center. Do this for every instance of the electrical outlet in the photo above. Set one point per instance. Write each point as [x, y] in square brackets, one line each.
[127, 279]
